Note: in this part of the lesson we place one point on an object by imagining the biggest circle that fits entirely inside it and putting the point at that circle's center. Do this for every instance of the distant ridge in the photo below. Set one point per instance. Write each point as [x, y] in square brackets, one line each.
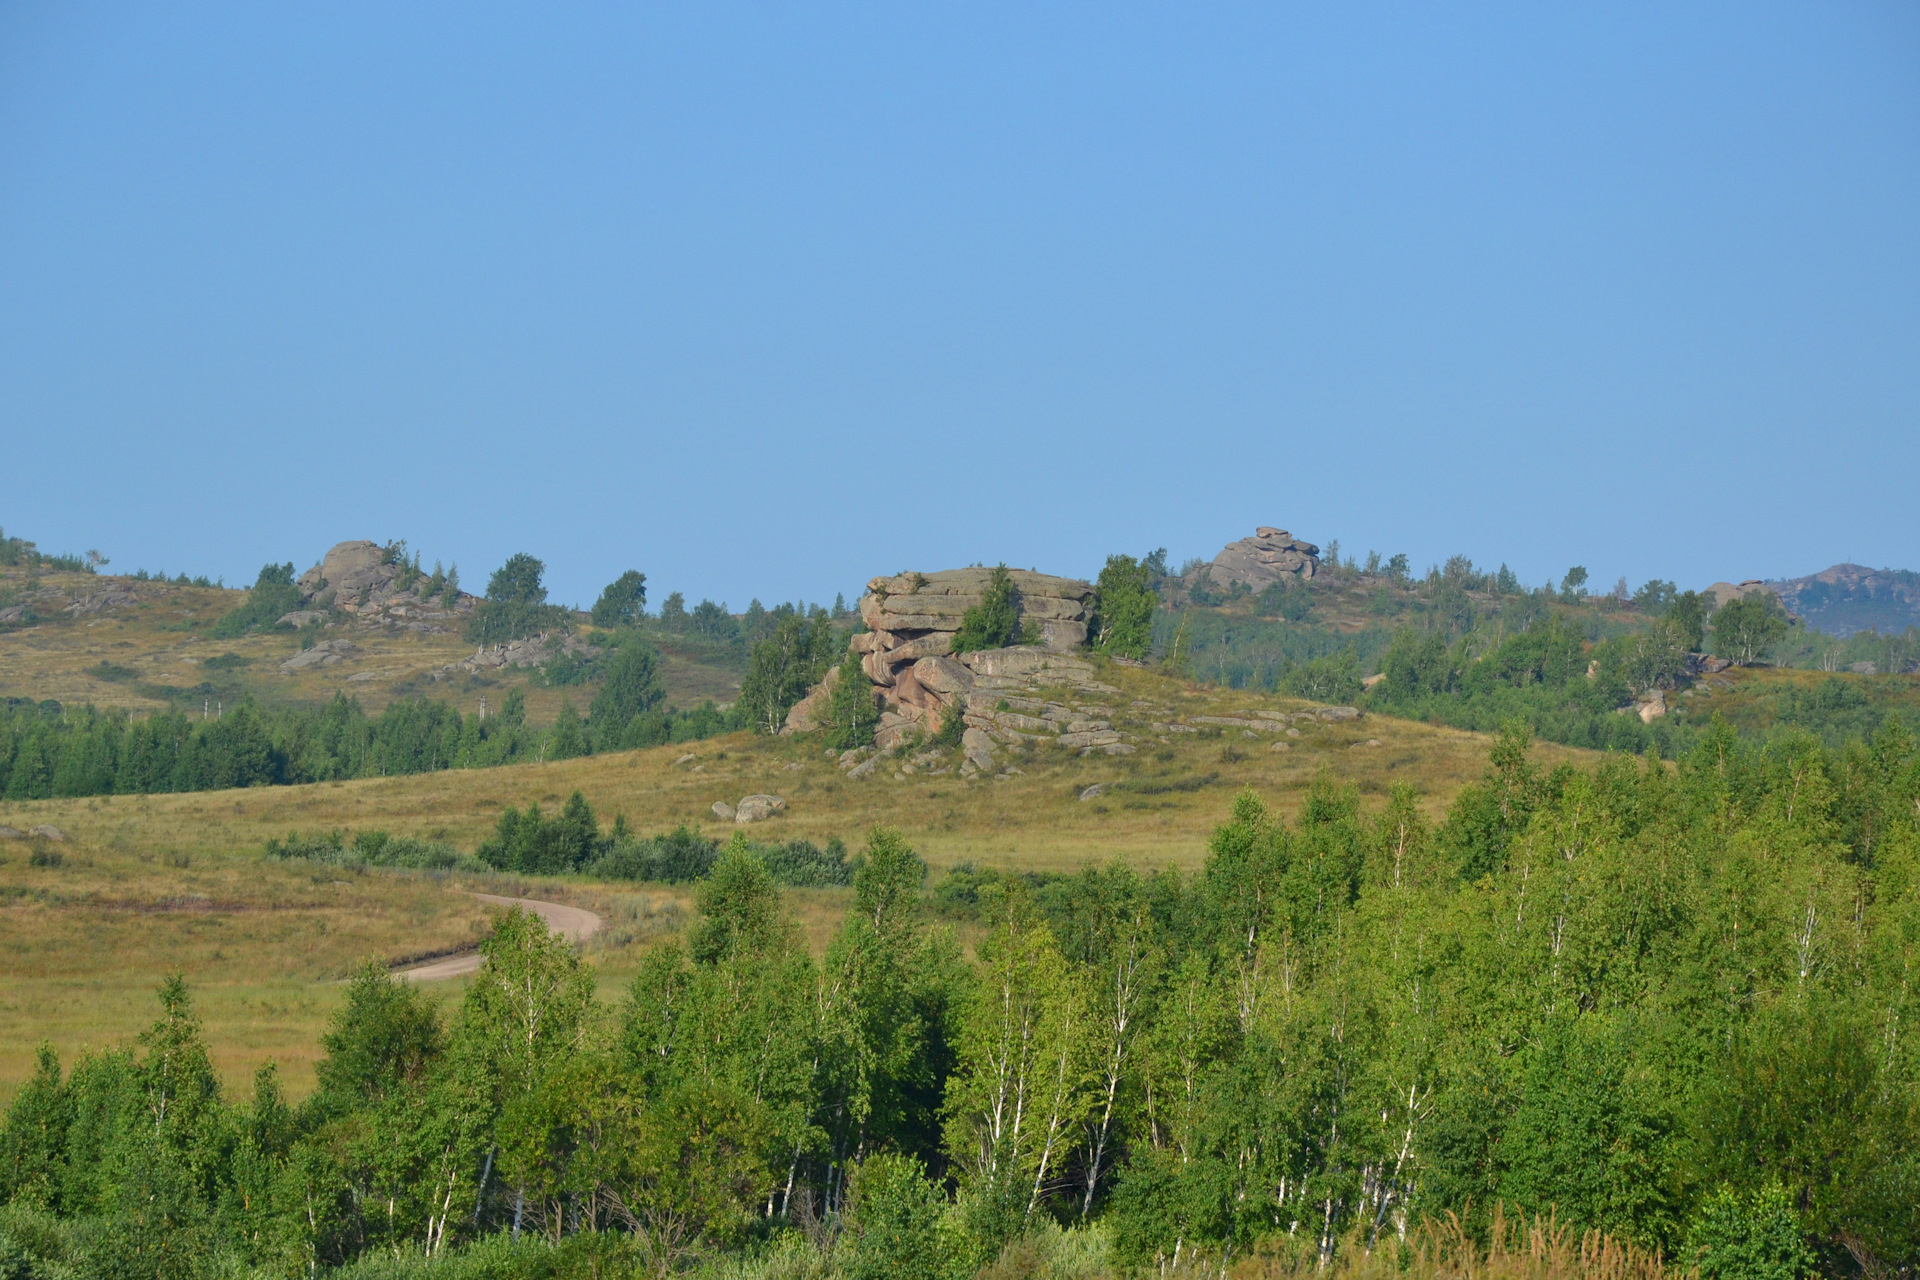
[1847, 598]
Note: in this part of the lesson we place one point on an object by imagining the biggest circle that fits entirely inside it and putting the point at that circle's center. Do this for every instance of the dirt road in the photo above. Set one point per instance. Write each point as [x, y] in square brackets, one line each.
[572, 923]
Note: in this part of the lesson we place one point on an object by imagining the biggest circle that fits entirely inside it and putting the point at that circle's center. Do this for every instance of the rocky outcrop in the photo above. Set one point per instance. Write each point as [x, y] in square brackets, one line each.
[327, 653]
[915, 615]
[907, 649]
[530, 652]
[1269, 556]
[356, 580]
[907, 657]
[101, 601]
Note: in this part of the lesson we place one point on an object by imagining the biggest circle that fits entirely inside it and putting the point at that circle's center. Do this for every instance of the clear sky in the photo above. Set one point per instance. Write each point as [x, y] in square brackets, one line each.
[764, 300]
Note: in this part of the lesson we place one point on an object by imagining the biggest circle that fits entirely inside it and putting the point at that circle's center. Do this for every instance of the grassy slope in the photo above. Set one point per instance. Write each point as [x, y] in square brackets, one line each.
[156, 651]
[157, 883]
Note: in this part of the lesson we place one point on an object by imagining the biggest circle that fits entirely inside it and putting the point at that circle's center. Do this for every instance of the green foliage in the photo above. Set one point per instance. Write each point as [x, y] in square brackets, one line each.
[569, 736]
[783, 667]
[1124, 602]
[34, 1139]
[893, 1223]
[953, 728]
[1659, 1002]
[532, 843]
[516, 605]
[47, 750]
[853, 707]
[1290, 600]
[371, 849]
[1334, 678]
[1755, 1236]
[1748, 629]
[634, 687]
[623, 603]
[273, 596]
[1688, 614]
[995, 621]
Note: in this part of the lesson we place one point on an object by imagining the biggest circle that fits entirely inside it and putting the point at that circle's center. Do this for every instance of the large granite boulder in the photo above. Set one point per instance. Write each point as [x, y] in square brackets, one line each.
[1269, 556]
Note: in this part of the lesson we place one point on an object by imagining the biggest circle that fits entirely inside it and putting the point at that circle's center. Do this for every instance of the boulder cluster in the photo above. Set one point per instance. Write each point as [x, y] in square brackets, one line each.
[355, 578]
[1269, 556]
[754, 808]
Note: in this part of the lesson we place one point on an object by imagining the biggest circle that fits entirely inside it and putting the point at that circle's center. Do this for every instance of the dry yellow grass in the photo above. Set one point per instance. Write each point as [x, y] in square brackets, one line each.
[176, 882]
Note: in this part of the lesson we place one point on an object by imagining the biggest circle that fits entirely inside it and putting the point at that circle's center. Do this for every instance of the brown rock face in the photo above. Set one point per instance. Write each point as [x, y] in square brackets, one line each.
[1269, 556]
[907, 651]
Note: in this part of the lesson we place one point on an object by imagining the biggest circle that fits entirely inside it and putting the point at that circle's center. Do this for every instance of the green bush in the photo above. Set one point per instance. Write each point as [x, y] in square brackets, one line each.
[1755, 1236]
[273, 596]
[995, 621]
[893, 1223]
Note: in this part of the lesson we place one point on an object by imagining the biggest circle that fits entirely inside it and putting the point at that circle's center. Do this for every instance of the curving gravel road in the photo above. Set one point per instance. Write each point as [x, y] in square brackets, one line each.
[572, 923]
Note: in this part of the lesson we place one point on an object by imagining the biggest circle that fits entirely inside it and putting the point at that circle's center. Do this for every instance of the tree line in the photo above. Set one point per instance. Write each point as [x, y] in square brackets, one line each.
[1664, 1002]
[48, 750]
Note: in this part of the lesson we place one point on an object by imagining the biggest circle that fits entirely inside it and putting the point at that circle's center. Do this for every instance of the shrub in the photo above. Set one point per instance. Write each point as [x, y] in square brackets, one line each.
[893, 1223]
[1333, 678]
[273, 596]
[679, 857]
[1749, 1237]
[995, 621]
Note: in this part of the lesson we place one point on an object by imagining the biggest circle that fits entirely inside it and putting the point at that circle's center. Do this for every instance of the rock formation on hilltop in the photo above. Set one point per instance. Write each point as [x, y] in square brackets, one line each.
[1269, 556]
[359, 579]
[907, 656]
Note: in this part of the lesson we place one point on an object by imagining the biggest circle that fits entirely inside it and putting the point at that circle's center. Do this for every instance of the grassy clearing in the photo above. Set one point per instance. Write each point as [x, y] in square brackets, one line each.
[153, 884]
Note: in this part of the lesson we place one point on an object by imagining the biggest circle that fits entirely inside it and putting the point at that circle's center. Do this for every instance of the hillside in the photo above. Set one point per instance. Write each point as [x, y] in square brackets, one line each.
[1849, 598]
[149, 884]
[116, 641]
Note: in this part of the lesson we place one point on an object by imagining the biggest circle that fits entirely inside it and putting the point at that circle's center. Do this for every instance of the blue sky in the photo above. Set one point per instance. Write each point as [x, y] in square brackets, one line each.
[764, 300]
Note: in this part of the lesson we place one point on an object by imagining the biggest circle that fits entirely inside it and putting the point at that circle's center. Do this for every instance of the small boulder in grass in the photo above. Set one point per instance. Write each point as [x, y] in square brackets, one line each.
[758, 808]
[723, 811]
[1094, 792]
[47, 831]
[12, 833]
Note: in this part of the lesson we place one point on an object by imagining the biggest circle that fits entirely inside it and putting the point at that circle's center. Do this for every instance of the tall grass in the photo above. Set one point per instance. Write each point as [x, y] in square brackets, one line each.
[1524, 1248]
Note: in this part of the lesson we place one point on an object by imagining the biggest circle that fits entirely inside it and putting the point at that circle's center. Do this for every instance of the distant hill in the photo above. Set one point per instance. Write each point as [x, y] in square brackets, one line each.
[1850, 598]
